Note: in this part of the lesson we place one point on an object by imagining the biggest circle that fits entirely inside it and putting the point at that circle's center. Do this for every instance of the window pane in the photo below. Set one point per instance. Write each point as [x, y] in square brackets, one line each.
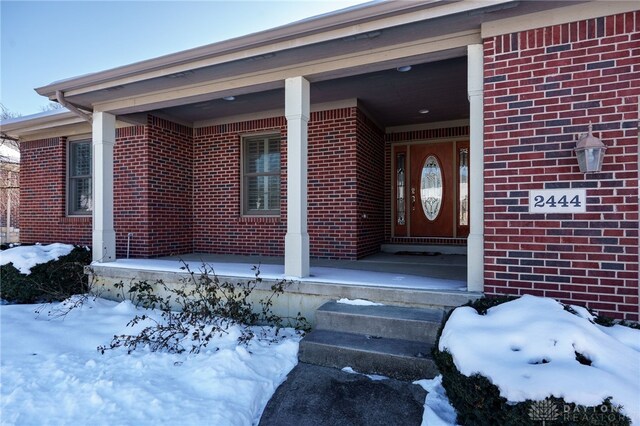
[81, 159]
[253, 161]
[263, 193]
[400, 188]
[261, 174]
[80, 196]
[431, 188]
[262, 155]
[463, 208]
[273, 163]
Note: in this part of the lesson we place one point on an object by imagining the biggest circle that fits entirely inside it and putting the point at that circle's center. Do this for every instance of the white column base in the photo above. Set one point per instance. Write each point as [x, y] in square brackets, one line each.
[104, 246]
[475, 262]
[475, 240]
[104, 138]
[296, 255]
[296, 242]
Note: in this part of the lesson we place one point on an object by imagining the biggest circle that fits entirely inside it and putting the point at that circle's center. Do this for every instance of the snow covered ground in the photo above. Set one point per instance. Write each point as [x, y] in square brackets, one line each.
[52, 374]
[529, 348]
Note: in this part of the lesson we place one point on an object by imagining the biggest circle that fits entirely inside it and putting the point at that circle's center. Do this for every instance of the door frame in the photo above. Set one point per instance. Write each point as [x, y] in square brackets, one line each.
[392, 188]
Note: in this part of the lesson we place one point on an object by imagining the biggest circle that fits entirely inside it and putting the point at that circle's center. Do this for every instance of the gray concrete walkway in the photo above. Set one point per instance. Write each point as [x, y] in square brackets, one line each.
[321, 396]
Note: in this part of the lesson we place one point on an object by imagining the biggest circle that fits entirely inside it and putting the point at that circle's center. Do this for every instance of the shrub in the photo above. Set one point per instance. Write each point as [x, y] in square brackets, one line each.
[197, 310]
[478, 401]
[55, 280]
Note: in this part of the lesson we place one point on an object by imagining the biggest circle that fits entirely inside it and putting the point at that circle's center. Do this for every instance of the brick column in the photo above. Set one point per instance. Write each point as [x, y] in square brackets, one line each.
[475, 241]
[104, 138]
[296, 242]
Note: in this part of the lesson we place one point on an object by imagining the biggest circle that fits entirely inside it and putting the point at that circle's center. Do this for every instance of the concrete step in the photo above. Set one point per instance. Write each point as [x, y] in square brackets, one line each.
[394, 322]
[397, 358]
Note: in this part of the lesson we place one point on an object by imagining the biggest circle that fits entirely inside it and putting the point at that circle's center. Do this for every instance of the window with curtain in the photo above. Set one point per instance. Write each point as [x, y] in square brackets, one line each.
[79, 196]
[261, 175]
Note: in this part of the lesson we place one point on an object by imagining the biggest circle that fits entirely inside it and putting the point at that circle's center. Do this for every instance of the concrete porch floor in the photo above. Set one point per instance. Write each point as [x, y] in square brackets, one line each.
[451, 267]
[404, 280]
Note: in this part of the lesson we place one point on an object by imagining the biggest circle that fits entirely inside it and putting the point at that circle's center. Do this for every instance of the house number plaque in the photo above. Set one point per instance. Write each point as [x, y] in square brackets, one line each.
[558, 201]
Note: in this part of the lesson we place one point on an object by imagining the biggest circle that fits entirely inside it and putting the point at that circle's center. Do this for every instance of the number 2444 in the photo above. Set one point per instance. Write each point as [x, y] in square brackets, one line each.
[539, 201]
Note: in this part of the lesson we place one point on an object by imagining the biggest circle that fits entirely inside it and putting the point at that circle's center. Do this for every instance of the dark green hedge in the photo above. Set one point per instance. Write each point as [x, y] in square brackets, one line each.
[52, 281]
[478, 401]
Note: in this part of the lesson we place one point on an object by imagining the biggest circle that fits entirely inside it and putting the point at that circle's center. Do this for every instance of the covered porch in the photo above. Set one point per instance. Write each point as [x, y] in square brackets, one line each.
[385, 76]
[430, 280]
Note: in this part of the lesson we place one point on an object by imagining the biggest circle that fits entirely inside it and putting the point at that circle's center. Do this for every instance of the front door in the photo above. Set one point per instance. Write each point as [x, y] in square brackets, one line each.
[432, 194]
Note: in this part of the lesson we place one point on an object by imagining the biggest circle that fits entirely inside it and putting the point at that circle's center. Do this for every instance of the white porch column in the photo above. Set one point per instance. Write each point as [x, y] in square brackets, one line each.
[296, 243]
[475, 241]
[104, 138]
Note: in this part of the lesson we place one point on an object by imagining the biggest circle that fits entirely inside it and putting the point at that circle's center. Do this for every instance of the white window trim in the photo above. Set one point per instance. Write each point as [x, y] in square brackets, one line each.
[244, 212]
[70, 142]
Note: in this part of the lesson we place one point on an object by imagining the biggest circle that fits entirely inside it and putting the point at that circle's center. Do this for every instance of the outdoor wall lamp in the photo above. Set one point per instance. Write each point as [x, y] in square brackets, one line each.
[590, 152]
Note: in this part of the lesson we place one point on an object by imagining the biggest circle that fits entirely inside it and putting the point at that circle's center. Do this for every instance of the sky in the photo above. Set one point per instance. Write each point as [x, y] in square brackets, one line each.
[46, 41]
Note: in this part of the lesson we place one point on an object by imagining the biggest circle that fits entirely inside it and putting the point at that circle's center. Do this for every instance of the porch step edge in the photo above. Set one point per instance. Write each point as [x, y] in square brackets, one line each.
[388, 321]
[396, 358]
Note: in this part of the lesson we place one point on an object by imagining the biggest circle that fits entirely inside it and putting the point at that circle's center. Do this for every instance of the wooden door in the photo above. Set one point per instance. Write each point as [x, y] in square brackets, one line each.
[432, 190]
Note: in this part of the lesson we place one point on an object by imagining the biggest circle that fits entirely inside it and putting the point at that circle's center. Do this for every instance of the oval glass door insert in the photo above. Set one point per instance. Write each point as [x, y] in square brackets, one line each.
[431, 188]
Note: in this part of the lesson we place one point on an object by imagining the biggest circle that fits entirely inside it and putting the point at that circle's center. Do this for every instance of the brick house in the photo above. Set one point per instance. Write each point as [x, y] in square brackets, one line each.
[414, 123]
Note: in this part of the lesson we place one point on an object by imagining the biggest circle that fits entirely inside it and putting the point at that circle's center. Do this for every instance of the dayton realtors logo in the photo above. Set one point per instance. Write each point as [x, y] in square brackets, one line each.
[547, 411]
[544, 411]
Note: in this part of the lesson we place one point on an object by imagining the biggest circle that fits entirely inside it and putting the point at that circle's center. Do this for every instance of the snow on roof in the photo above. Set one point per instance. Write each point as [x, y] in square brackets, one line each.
[529, 349]
[24, 118]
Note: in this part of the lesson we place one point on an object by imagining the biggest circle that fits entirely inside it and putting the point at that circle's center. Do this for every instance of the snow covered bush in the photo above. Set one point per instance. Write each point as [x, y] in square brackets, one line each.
[532, 359]
[32, 274]
[199, 309]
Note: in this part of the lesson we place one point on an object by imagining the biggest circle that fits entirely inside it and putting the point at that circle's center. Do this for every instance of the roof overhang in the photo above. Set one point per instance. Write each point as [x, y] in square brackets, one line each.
[358, 41]
[49, 124]
[352, 22]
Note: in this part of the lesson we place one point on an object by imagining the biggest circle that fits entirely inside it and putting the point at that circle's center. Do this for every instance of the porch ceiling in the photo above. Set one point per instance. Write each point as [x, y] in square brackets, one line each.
[393, 98]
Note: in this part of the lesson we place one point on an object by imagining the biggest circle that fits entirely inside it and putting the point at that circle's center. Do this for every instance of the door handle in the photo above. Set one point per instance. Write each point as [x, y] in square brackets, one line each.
[413, 199]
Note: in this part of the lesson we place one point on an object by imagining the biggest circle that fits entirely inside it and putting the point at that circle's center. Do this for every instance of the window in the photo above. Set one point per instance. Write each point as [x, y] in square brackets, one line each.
[261, 175]
[79, 197]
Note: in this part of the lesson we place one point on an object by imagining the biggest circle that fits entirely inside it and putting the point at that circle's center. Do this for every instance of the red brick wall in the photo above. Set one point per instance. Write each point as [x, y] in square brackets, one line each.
[218, 224]
[42, 196]
[170, 186]
[542, 89]
[371, 189]
[131, 191]
[333, 215]
[152, 191]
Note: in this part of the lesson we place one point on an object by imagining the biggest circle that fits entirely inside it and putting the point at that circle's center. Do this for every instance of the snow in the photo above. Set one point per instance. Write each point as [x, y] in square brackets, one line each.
[317, 274]
[52, 373]
[527, 347]
[359, 302]
[438, 411]
[374, 377]
[26, 257]
[39, 115]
